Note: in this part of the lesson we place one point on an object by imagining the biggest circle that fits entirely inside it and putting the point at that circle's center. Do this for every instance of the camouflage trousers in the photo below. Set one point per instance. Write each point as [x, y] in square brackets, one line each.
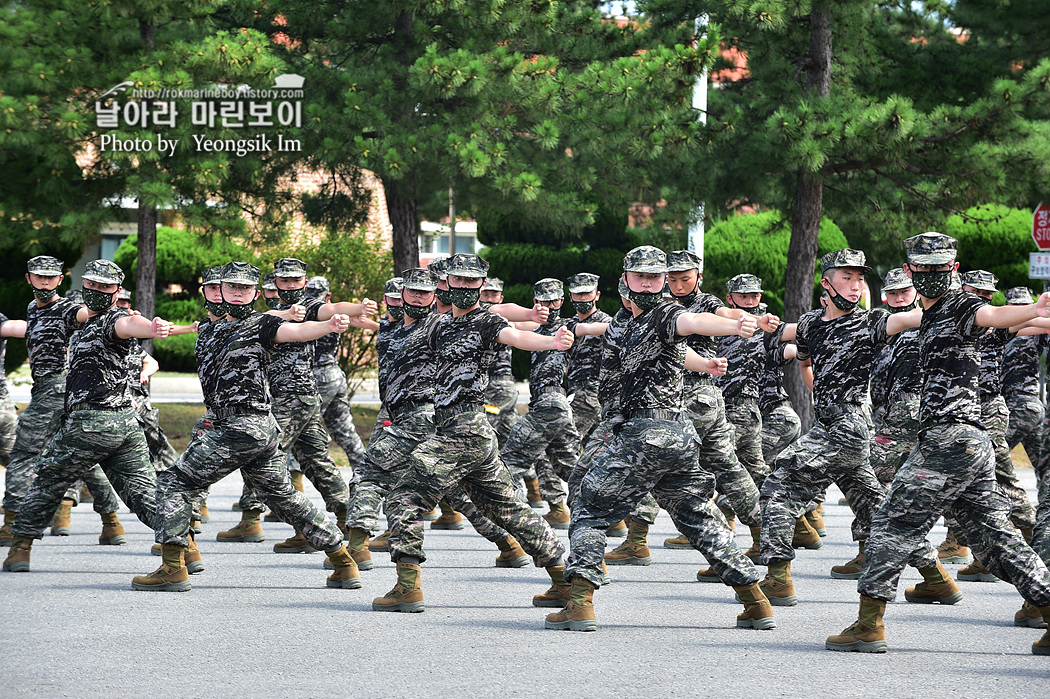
[161, 453]
[746, 419]
[464, 452]
[385, 462]
[304, 435]
[586, 412]
[112, 439]
[37, 426]
[781, 427]
[546, 435]
[8, 429]
[335, 411]
[601, 437]
[249, 442]
[1026, 424]
[502, 394]
[836, 450]
[657, 456]
[996, 418]
[716, 454]
[1042, 467]
[382, 421]
[1041, 537]
[951, 472]
[896, 434]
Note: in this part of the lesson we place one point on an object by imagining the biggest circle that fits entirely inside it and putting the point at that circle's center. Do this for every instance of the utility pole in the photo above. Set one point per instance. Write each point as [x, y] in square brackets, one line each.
[696, 229]
[452, 221]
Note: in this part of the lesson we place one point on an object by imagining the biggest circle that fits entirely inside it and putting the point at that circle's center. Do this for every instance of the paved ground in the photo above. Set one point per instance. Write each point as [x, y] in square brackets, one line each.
[259, 624]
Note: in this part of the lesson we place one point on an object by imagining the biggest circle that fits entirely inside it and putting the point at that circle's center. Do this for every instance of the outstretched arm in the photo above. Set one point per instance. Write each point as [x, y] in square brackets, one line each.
[899, 322]
[716, 366]
[13, 328]
[714, 325]
[137, 326]
[311, 330]
[183, 329]
[367, 307]
[585, 329]
[789, 333]
[989, 316]
[519, 314]
[534, 342]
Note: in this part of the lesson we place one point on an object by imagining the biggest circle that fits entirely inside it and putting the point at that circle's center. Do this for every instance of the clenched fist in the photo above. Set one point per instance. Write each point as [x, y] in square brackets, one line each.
[339, 323]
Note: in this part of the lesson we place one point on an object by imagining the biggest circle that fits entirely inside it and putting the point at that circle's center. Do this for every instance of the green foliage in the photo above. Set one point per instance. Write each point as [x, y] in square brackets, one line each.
[176, 353]
[182, 309]
[181, 255]
[997, 239]
[758, 244]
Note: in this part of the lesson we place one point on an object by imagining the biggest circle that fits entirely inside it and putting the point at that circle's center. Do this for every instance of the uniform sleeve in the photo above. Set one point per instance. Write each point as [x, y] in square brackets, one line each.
[666, 322]
[966, 312]
[311, 311]
[801, 341]
[493, 326]
[877, 325]
[69, 316]
[268, 330]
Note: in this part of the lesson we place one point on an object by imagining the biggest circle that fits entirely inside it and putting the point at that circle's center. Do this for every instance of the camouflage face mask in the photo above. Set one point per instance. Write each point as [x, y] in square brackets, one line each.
[416, 312]
[216, 308]
[396, 312]
[292, 295]
[273, 302]
[931, 285]
[43, 295]
[646, 300]
[464, 298]
[444, 296]
[901, 309]
[98, 301]
[583, 307]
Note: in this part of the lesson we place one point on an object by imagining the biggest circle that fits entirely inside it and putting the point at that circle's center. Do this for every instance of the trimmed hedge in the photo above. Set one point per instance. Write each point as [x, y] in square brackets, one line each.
[176, 353]
[997, 239]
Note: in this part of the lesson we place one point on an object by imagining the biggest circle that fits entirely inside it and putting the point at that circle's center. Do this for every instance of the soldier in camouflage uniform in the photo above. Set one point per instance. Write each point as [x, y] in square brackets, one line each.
[463, 451]
[501, 400]
[391, 320]
[232, 354]
[781, 426]
[52, 322]
[442, 297]
[953, 469]
[8, 415]
[546, 436]
[581, 379]
[704, 402]
[1020, 379]
[654, 449]
[839, 342]
[100, 426]
[331, 384]
[409, 398]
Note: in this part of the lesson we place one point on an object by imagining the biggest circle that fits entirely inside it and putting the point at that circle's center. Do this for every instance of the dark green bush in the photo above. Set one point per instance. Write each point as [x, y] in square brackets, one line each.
[997, 239]
[176, 353]
[181, 309]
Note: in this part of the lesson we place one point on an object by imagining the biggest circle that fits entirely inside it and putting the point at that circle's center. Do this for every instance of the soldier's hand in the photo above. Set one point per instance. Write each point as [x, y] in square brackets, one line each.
[297, 313]
[716, 366]
[160, 327]
[339, 323]
[540, 314]
[360, 322]
[1042, 306]
[133, 312]
[769, 322]
[746, 325]
[144, 378]
[369, 307]
[563, 339]
[196, 326]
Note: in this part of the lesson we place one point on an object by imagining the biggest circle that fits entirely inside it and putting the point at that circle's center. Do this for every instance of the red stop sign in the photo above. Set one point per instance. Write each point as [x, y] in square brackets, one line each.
[1041, 226]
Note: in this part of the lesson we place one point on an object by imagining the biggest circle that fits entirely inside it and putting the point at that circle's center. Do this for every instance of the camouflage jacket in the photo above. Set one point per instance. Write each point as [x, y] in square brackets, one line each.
[547, 370]
[842, 351]
[291, 369]
[652, 357]
[611, 374]
[703, 345]
[504, 353]
[98, 364]
[464, 349]
[992, 346]
[139, 392]
[904, 374]
[771, 382]
[233, 360]
[386, 327]
[410, 364]
[1020, 372]
[747, 357]
[585, 356]
[950, 361]
[326, 350]
[48, 332]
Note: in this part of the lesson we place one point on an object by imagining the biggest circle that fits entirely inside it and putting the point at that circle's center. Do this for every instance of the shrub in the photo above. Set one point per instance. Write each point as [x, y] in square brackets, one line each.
[176, 353]
[997, 239]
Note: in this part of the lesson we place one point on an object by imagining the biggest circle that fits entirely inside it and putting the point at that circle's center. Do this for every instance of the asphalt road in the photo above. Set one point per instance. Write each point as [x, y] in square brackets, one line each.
[258, 623]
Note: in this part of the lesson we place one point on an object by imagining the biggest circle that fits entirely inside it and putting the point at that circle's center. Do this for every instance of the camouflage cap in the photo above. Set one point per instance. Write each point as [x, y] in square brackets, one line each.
[211, 275]
[896, 279]
[763, 308]
[419, 279]
[493, 284]
[393, 286]
[75, 295]
[548, 289]
[317, 287]
[623, 289]
[45, 266]
[645, 259]
[269, 281]
[289, 267]
[124, 295]
[583, 283]
[103, 272]
[846, 257]
[465, 264]
[683, 260]
[744, 284]
[240, 273]
[931, 249]
[439, 267]
[1019, 296]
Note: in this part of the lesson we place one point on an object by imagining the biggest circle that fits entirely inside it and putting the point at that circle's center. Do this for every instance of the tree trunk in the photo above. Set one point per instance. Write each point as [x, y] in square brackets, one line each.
[806, 211]
[146, 278]
[401, 206]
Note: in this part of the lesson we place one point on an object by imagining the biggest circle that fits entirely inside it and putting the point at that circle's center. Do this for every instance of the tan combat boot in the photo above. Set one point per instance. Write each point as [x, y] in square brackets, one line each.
[850, 570]
[1042, 646]
[578, 614]
[618, 530]
[606, 579]
[346, 574]
[558, 517]
[340, 522]
[172, 576]
[112, 531]
[360, 550]
[17, 560]
[951, 553]
[85, 495]
[62, 521]
[5, 531]
[805, 537]
[449, 519]
[297, 480]
[816, 520]
[431, 516]
[296, 543]
[635, 550]
[381, 542]
[248, 529]
[729, 515]
[205, 514]
[976, 572]
[777, 586]
[1029, 616]
[532, 491]
[677, 542]
[755, 552]
[192, 558]
[758, 613]
[867, 634]
[511, 555]
[558, 593]
[936, 586]
[707, 575]
[406, 596]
